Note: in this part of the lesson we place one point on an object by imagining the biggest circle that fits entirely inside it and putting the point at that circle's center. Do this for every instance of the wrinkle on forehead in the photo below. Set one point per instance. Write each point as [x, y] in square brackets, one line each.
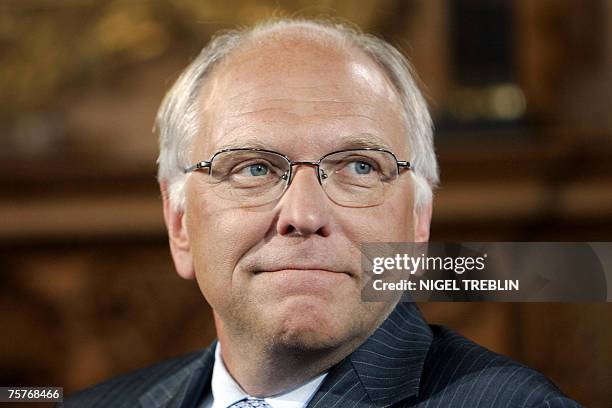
[289, 106]
[305, 89]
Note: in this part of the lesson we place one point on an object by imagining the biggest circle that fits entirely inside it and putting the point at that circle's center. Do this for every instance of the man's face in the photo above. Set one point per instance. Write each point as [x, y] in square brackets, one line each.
[288, 273]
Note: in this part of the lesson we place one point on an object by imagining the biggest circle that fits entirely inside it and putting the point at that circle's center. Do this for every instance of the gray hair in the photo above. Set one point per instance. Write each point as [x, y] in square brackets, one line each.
[178, 116]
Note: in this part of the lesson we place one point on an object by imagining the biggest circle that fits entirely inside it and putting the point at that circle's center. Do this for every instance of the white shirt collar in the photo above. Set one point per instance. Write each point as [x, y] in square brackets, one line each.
[225, 390]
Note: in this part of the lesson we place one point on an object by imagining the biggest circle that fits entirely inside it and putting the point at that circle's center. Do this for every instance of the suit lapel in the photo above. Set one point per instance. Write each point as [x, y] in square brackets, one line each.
[341, 388]
[184, 388]
[385, 369]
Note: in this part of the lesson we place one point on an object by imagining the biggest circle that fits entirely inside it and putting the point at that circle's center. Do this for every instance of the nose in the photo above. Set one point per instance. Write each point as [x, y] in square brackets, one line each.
[304, 208]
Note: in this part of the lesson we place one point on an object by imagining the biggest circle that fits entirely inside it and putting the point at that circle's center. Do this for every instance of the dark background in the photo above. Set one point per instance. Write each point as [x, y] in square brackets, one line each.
[520, 92]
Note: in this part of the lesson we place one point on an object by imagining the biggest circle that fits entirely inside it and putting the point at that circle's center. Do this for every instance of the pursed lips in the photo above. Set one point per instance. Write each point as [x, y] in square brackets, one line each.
[272, 269]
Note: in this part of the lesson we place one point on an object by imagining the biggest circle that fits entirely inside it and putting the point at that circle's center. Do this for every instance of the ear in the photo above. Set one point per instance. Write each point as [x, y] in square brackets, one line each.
[180, 247]
[422, 218]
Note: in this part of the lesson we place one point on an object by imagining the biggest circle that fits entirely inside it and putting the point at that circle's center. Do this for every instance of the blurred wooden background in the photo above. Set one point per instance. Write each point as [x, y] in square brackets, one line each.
[524, 137]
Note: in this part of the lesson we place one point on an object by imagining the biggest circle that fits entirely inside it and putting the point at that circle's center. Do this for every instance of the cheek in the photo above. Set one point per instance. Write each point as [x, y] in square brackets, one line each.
[219, 238]
[389, 225]
[392, 221]
[209, 231]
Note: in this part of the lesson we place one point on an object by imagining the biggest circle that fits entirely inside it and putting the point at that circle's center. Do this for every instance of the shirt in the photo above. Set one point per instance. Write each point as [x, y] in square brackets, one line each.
[226, 391]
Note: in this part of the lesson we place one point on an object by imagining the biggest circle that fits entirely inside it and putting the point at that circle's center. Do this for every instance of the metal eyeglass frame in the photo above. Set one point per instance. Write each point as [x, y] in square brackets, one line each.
[289, 177]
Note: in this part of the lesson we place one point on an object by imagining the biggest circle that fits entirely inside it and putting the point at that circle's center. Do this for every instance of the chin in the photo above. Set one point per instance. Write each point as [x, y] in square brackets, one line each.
[303, 324]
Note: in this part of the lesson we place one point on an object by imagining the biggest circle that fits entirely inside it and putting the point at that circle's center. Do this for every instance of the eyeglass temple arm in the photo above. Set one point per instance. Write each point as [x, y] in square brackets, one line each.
[197, 166]
[404, 164]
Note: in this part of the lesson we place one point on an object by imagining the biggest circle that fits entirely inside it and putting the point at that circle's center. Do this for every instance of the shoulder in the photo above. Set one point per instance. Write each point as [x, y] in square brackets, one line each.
[459, 372]
[125, 390]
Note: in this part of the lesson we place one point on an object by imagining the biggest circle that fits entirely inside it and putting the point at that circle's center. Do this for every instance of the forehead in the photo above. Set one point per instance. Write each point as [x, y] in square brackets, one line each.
[301, 96]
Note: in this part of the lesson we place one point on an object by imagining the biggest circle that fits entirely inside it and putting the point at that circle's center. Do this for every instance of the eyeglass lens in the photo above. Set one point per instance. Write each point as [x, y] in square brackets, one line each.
[356, 178]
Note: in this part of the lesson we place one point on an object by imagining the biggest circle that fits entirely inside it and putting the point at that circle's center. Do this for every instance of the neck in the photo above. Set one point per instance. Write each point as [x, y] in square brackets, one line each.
[263, 371]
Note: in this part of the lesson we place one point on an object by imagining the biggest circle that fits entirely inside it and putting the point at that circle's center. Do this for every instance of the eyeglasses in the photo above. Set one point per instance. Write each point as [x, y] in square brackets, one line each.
[254, 177]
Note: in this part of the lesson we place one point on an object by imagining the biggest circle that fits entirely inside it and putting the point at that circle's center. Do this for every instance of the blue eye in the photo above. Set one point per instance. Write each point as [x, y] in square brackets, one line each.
[361, 167]
[258, 170]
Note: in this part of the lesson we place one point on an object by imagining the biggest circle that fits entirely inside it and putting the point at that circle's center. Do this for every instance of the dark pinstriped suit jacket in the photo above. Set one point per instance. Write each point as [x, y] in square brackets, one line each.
[405, 363]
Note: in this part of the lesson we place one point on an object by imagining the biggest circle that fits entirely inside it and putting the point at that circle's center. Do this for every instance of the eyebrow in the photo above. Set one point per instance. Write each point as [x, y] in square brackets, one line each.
[357, 141]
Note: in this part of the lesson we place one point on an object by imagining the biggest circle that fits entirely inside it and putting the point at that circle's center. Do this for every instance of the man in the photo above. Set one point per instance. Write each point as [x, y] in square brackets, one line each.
[282, 149]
